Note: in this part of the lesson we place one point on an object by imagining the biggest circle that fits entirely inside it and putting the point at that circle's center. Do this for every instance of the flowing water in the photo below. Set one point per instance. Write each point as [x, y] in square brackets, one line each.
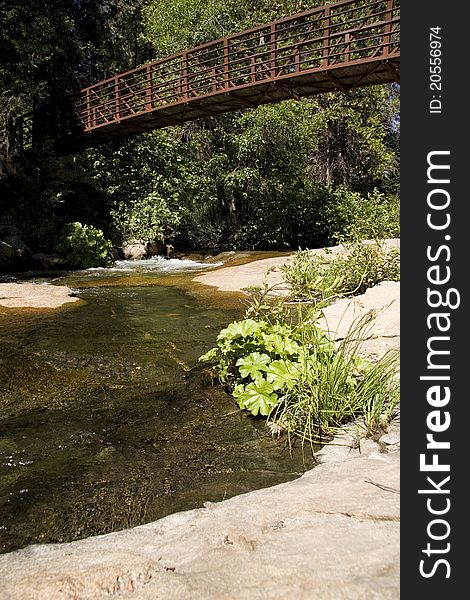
[108, 422]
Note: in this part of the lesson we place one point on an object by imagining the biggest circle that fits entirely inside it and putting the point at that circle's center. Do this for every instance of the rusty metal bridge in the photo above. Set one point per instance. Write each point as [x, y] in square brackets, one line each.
[339, 46]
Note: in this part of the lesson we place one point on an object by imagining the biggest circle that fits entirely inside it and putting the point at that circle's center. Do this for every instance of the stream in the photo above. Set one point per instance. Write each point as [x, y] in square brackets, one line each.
[107, 421]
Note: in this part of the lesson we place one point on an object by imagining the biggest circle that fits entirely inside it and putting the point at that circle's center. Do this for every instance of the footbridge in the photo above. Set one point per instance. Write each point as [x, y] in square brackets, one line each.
[339, 46]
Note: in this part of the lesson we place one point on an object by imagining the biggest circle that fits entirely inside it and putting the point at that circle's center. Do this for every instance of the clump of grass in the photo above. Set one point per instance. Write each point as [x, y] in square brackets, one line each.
[316, 278]
[329, 394]
[380, 393]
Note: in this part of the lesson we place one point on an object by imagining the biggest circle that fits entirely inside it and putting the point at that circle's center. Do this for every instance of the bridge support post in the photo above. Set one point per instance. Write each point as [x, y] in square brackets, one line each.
[297, 61]
[226, 66]
[273, 46]
[388, 28]
[185, 82]
[116, 99]
[253, 69]
[326, 36]
[148, 88]
[88, 110]
[347, 46]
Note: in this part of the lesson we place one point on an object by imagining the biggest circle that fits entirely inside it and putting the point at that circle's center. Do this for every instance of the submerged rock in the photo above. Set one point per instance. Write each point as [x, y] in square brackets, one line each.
[106, 453]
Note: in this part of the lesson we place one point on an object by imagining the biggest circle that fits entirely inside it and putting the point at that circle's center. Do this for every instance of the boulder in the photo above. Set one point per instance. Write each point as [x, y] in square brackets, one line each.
[45, 262]
[114, 252]
[7, 257]
[222, 256]
[14, 253]
[8, 230]
[155, 247]
[134, 250]
[22, 252]
[138, 249]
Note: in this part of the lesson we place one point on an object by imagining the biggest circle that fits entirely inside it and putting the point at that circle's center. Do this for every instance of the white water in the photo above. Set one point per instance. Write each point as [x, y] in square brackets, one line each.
[158, 264]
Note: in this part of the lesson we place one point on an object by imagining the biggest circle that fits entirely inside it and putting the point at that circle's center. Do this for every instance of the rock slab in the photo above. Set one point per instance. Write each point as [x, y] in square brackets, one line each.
[267, 272]
[382, 304]
[34, 295]
[332, 534]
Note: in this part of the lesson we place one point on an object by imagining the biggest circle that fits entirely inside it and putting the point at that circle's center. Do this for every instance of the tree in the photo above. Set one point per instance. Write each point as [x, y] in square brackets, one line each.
[265, 175]
[146, 180]
[257, 178]
[173, 25]
[50, 49]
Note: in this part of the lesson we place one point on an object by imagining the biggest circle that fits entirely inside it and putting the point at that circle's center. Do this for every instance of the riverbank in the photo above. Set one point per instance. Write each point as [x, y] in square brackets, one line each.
[331, 534]
[267, 272]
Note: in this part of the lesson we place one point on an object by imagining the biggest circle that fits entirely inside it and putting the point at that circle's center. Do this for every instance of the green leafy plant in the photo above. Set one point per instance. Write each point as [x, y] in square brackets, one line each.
[85, 246]
[284, 367]
[249, 354]
[145, 218]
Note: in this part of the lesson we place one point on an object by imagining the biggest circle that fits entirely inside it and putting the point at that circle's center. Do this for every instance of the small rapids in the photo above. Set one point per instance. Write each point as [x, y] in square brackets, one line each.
[157, 264]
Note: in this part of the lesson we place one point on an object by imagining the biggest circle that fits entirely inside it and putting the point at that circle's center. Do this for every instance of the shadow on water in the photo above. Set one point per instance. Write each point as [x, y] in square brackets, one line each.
[107, 420]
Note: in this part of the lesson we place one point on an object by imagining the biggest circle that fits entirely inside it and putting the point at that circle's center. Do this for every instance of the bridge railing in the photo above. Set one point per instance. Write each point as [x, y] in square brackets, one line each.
[321, 39]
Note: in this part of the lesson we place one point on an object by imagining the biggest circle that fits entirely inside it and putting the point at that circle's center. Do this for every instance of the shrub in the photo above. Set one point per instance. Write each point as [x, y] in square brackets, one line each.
[317, 278]
[354, 217]
[85, 246]
[145, 218]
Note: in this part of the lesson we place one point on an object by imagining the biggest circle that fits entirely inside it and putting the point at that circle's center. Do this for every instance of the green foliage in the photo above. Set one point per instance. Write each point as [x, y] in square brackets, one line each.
[85, 246]
[49, 49]
[296, 174]
[314, 277]
[253, 365]
[43, 197]
[352, 216]
[291, 372]
[264, 177]
[173, 25]
[145, 218]
[146, 180]
[257, 396]
[380, 392]
[261, 359]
